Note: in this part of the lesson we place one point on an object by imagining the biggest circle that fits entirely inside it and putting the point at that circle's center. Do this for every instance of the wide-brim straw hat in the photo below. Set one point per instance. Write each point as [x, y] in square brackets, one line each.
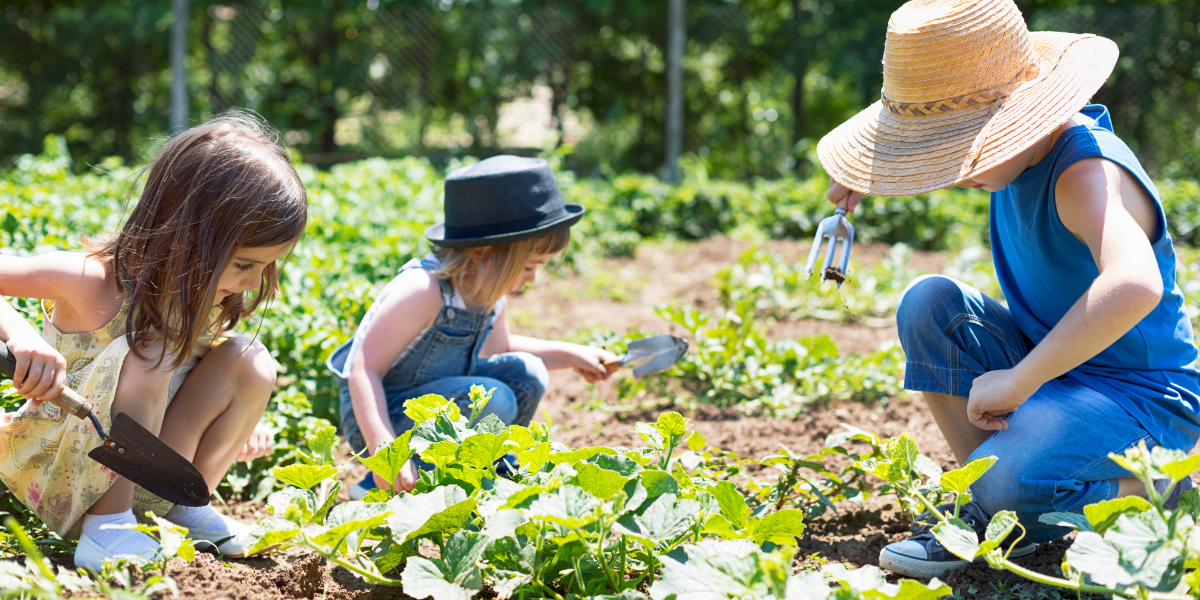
[966, 87]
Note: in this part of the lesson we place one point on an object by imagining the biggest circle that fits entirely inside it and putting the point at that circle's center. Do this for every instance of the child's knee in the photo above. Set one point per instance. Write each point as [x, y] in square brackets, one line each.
[927, 303]
[1012, 483]
[532, 375]
[254, 366]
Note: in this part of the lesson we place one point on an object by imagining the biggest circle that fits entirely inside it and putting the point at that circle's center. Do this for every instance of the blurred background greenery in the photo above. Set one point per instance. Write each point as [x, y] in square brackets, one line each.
[346, 79]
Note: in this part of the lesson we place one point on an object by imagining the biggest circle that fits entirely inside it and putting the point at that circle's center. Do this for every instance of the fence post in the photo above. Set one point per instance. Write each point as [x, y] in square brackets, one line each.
[179, 47]
[676, 38]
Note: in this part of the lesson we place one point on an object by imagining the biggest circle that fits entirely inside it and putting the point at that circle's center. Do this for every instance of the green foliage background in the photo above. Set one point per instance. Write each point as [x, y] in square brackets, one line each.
[352, 78]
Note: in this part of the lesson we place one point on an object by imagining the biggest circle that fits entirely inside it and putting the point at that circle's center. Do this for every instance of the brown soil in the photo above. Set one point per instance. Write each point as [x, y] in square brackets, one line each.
[560, 307]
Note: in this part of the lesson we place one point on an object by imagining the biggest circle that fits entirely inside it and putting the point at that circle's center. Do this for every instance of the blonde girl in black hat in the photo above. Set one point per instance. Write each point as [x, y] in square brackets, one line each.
[439, 327]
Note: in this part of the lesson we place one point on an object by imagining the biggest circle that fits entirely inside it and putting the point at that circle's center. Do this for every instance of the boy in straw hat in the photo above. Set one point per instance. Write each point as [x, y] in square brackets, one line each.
[1094, 353]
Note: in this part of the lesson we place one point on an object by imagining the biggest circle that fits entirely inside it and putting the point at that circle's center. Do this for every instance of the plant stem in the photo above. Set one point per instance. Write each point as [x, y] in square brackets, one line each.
[624, 567]
[1070, 585]
[928, 505]
[366, 575]
[544, 588]
[786, 485]
[579, 575]
[332, 556]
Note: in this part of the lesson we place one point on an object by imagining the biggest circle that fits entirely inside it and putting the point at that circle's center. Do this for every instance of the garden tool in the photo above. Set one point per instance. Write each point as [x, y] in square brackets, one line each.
[131, 451]
[650, 355]
[840, 232]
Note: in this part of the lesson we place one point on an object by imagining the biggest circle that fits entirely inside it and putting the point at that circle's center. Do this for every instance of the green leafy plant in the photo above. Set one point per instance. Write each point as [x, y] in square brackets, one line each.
[1129, 546]
[732, 363]
[584, 521]
[778, 289]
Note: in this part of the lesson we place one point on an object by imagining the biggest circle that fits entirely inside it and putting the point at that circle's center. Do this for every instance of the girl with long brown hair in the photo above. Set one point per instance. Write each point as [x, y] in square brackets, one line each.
[136, 324]
[439, 327]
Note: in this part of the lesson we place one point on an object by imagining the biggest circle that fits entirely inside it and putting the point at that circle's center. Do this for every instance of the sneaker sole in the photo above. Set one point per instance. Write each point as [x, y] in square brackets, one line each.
[926, 569]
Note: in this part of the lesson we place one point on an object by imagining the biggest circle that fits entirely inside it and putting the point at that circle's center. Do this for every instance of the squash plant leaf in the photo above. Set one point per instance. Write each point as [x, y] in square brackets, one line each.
[569, 506]
[304, 476]
[270, 534]
[960, 479]
[732, 502]
[443, 510]
[388, 460]
[781, 527]
[958, 538]
[1103, 515]
[321, 444]
[601, 483]
[352, 516]
[292, 504]
[429, 407]
[1064, 519]
[663, 520]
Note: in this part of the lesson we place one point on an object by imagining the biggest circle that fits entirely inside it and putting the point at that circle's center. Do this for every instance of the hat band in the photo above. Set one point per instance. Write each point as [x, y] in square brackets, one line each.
[502, 228]
[937, 107]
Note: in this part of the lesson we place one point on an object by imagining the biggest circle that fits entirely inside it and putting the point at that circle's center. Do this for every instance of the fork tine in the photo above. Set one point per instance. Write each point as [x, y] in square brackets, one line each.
[830, 252]
[813, 253]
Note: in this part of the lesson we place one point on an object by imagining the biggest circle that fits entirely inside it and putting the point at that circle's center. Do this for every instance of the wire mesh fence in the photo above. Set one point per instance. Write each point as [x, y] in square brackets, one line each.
[345, 79]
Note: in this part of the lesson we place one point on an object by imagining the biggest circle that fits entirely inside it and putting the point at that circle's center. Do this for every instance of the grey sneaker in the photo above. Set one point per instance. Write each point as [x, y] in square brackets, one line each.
[922, 556]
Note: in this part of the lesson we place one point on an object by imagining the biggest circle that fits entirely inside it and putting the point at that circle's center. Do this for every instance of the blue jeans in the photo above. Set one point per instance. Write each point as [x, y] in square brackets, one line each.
[1054, 454]
[519, 379]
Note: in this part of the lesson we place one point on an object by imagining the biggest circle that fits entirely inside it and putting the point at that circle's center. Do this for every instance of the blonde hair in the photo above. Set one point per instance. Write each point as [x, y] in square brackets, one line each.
[503, 264]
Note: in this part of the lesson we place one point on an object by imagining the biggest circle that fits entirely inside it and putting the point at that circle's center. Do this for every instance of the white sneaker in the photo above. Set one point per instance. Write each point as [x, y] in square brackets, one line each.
[92, 556]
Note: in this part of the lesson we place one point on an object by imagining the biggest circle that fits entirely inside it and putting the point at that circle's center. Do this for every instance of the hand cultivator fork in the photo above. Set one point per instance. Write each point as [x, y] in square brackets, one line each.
[839, 231]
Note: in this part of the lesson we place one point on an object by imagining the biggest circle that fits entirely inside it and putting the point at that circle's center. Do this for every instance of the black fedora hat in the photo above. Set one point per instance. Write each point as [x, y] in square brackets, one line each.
[501, 200]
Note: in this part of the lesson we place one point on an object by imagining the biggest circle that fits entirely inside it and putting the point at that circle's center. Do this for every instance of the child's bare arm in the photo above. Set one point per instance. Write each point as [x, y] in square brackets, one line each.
[585, 360]
[69, 278]
[1096, 203]
[408, 306]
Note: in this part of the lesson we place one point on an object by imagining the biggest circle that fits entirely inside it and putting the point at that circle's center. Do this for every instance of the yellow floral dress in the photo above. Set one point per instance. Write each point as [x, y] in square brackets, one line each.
[43, 450]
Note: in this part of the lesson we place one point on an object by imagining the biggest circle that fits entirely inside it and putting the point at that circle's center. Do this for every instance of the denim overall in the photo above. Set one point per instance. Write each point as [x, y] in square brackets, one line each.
[445, 361]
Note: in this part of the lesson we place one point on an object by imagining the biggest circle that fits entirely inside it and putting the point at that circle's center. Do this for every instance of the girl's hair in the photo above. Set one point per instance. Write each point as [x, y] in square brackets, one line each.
[215, 188]
[503, 264]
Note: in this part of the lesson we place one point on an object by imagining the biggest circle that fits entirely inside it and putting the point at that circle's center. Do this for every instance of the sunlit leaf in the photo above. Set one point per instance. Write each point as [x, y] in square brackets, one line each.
[960, 479]
[304, 476]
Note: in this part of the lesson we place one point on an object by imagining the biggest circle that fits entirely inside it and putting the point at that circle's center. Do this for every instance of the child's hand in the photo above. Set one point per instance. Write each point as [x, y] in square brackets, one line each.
[406, 480]
[261, 442]
[994, 394]
[589, 362]
[843, 196]
[41, 372]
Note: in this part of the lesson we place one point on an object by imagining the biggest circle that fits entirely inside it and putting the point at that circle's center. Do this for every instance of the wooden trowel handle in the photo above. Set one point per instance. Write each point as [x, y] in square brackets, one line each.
[612, 365]
[68, 400]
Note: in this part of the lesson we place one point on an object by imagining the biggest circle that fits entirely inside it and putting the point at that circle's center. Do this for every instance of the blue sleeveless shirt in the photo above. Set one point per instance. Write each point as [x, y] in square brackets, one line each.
[1044, 269]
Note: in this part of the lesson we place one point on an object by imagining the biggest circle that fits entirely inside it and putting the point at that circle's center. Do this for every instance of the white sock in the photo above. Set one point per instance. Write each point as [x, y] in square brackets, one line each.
[111, 539]
[203, 518]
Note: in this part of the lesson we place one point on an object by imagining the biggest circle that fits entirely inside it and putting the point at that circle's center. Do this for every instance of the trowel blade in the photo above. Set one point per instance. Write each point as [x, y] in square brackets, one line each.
[654, 354]
[139, 456]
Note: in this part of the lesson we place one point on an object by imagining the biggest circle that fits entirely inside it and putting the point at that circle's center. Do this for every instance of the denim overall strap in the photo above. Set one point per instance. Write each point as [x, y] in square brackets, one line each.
[447, 349]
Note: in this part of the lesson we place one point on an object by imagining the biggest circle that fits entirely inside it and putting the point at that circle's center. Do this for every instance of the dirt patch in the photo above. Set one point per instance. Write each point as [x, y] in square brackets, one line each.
[281, 577]
[620, 294]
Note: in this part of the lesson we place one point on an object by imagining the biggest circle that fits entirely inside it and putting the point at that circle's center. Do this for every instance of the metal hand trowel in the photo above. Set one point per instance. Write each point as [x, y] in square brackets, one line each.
[131, 451]
[650, 355]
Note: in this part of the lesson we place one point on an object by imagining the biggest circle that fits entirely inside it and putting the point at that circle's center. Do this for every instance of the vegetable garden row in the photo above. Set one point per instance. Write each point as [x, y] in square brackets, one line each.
[676, 515]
